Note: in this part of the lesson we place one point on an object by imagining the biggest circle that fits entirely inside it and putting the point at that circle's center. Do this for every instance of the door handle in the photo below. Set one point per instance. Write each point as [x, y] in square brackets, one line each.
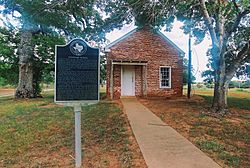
[132, 79]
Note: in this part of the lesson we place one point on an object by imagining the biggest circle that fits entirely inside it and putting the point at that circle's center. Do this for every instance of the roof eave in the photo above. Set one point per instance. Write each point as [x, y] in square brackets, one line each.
[180, 51]
[120, 39]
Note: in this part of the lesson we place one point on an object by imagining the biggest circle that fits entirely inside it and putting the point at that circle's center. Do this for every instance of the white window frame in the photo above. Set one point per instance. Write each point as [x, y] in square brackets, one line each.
[170, 77]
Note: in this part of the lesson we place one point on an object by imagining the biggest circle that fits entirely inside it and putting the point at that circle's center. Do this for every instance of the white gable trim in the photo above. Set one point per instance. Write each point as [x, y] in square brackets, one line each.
[120, 39]
[180, 51]
[171, 43]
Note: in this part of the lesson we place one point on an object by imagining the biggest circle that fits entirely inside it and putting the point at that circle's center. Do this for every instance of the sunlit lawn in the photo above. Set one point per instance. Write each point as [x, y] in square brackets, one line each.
[38, 133]
[239, 98]
[235, 92]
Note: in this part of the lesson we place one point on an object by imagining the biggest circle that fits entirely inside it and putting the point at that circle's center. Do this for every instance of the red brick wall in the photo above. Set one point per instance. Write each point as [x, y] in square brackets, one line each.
[117, 81]
[145, 45]
[138, 80]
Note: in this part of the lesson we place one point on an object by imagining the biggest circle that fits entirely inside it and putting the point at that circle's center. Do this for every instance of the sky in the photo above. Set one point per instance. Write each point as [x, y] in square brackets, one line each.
[176, 35]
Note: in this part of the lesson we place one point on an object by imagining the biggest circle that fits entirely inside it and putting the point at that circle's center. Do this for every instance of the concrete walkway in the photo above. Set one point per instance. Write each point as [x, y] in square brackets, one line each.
[161, 145]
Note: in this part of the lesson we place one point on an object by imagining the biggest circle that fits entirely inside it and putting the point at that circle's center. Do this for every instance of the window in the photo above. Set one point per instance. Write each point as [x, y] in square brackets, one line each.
[165, 77]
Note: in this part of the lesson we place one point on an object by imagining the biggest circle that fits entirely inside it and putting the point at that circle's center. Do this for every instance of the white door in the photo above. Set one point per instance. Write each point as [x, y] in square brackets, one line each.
[128, 81]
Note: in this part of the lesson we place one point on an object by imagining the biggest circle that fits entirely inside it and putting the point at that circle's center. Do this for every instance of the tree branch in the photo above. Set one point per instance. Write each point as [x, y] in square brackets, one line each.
[236, 6]
[236, 23]
[209, 22]
[240, 59]
[221, 26]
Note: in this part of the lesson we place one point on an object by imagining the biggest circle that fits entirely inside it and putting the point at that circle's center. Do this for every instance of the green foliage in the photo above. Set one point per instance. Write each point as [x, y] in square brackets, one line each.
[43, 59]
[243, 71]
[45, 18]
[239, 84]
[199, 85]
[209, 85]
[236, 36]
[146, 12]
[102, 69]
[208, 75]
[234, 84]
[185, 72]
[2, 81]
[8, 58]
[227, 25]
[72, 18]
[246, 84]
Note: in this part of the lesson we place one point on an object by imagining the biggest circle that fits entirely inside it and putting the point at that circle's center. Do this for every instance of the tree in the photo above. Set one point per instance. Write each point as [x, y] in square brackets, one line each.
[8, 57]
[43, 57]
[246, 84]
[226, 22]
[244, 71]
[72, 18]
[185, 72]
[142, 12]
[103, 69]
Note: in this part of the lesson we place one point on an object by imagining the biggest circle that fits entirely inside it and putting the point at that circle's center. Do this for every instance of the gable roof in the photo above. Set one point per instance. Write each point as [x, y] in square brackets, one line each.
[180, 51]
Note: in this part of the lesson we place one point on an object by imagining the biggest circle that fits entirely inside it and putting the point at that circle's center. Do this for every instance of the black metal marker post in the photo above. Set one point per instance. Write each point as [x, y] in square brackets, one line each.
[77, 82]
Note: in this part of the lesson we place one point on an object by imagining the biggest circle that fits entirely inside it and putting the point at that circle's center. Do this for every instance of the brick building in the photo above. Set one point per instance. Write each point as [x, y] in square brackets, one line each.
[144, 63]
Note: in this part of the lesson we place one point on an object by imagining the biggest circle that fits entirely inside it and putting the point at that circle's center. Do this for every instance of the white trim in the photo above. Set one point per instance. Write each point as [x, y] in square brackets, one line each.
[179, 50]
[64, 45]
[77, 102]
[128, 63]
[170, 77]
[119, 39]
[55, 73]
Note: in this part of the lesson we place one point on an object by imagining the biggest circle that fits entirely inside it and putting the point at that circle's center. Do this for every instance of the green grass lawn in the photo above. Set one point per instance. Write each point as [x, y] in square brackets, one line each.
[233, 102]
[237, 98]
[38, 133]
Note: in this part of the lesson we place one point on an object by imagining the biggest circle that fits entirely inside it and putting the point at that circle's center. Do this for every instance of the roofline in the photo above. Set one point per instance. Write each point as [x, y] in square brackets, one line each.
[180, 51]
[171, 42]
[121, 38]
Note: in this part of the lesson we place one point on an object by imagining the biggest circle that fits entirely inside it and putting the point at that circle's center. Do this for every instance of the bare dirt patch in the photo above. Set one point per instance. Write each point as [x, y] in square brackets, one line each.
[6, 91]
[226, 139]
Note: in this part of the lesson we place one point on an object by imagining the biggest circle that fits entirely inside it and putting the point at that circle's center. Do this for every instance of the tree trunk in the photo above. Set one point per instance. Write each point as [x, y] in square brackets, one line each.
[25, 87]
[220, 97]
[221, 83]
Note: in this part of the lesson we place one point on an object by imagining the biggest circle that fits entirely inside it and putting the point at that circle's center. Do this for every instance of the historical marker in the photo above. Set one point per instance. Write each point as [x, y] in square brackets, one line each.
[77, 72]
[77, 82]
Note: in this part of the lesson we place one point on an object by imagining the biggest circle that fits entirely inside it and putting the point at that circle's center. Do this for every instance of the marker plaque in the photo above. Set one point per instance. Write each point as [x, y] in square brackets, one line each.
[76, 72]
